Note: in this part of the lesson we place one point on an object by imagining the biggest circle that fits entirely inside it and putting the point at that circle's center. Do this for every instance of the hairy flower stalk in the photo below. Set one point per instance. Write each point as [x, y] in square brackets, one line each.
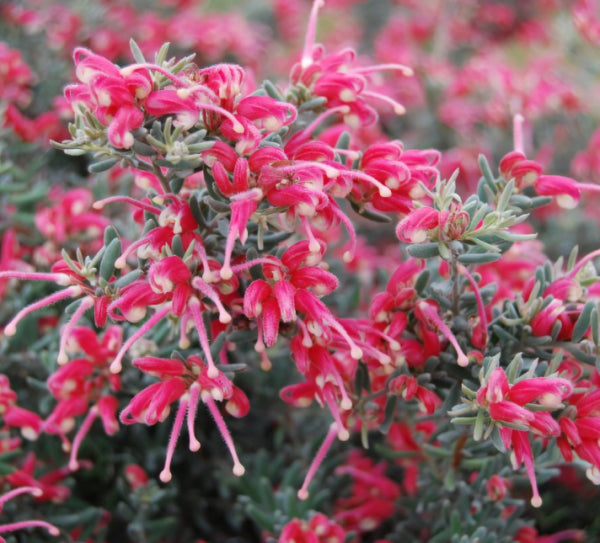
[11, 328]
[14, 526]
[318, 460]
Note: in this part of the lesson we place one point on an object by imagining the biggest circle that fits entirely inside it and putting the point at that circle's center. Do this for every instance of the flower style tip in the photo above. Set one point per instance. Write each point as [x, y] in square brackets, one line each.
[165, 475]
[226, 273]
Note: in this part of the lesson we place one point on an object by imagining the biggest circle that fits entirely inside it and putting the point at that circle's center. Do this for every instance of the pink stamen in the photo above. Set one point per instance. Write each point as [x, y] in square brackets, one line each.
[352, 155]
[317, 460]
[11, 327]
[121, 262]
[52, 530]
[321, 117]
[184, 342]
[478, 300]
[247, 265]
[261, 348]
[191, 416]
[334, 409]
[127, 200]
[365, 326]
[165, 474]
[431, 314]
[399, 109]
[384, 191]
[59, 278]
[201, 253]
[212, 294]
[346, 402]
[238, 468]
[313, 244]
[518, 133]
[290, 170]
[355, 350]
[404, 70]
[583, 262]
[128, 70]
[590, 187]
[204, 90]
[81, 433]
[348, 255]
[375, 353]
[536, 499]
[237, 126]
[311, 32]
[306, 339]
[115, 366]
[86, 303]
[194, 306]
[358, 474]
[226, 272]
[34, 491]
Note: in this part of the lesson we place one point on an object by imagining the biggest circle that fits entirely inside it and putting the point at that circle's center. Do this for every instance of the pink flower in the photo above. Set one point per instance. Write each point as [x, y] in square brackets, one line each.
[186, 382]
[507, 405]
[372, 497]
[111, 94]
[319, 529]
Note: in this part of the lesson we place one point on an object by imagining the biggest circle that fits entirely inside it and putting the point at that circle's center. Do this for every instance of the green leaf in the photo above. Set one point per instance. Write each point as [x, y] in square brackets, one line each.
[175, 184]
[177, 246]
[107, 265]
[370, 214]
[128, 278]
[217, 345]
[479, 258]
[486, 171]
[136, 52]
[161, 56]
[595, 327]
[273, 91]
[315, 103]
[6, 469]
[102, 165]
[110, 233]
[583, 322]
[422, 281]
[424, 250]
[389, 412]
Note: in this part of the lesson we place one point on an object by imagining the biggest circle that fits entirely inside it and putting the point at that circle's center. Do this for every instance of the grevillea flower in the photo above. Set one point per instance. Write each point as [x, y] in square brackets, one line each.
[46, 484]
[86, 385]
[274, 299]
[319, 529]
[111, 94]
[334, 78]
[409, 389]
[515, 165]
[372, 497]
[187, 382]
[580, 428]
[17, 76]
[507, 405]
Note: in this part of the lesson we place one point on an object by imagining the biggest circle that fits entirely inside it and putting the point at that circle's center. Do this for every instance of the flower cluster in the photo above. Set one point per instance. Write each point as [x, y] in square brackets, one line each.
[219, 250]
